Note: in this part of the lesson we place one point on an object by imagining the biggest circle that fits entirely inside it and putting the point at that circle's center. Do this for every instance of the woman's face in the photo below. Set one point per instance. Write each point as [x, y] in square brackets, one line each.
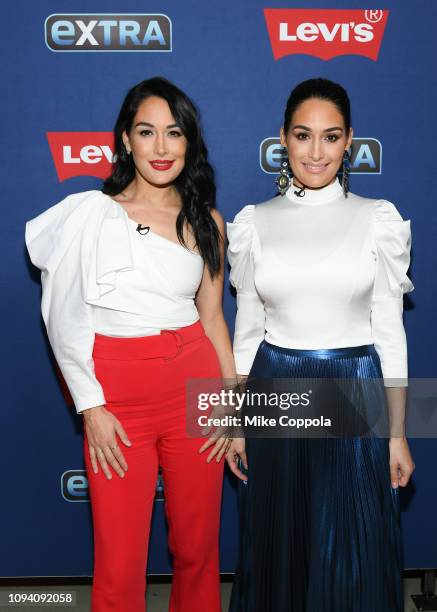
[316, 141]
[157, 143]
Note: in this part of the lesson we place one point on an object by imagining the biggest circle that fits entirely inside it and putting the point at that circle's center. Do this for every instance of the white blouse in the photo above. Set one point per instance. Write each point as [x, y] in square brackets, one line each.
[321, 271]
[99, 275]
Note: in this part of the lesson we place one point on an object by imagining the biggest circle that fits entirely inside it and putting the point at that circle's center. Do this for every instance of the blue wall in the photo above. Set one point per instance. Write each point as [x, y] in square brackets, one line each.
[222, 57]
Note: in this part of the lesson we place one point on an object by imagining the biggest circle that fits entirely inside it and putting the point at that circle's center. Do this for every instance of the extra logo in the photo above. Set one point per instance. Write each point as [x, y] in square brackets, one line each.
[82, 153]
[74, 486]
[326, 33]
[366, 156]
[108, 32]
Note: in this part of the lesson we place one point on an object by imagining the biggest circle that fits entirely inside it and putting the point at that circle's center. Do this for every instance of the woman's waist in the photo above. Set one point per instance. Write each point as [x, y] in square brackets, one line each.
[322, 352]
[131, 318]
[166, 343]
[316, 338]
[316, 326]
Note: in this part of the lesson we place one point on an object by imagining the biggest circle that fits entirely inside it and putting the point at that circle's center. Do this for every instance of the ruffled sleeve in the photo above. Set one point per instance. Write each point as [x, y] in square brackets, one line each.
[49, 235]
[392, 243]
[243, 253]
[62, 242]
[242, 245]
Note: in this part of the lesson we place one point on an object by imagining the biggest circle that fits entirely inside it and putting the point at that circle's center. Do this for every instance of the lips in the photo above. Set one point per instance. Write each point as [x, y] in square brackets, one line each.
[315, 168]
[161, 164]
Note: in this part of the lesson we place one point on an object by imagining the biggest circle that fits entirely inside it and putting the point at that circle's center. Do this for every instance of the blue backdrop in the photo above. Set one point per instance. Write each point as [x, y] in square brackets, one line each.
[221, 55]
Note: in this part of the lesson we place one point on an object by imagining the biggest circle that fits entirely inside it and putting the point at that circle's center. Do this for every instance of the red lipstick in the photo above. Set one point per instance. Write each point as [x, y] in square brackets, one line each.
[161, 164]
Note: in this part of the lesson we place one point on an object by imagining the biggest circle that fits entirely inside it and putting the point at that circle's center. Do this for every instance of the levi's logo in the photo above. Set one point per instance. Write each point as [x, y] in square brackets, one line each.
[82, 153]
[326, 33]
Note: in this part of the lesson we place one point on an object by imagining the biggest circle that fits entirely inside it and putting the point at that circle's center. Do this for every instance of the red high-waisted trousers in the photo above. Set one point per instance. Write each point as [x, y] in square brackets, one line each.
[144, 380]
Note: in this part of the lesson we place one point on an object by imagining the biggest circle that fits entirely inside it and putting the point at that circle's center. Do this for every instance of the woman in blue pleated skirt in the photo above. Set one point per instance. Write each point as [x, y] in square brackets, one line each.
[320, 275]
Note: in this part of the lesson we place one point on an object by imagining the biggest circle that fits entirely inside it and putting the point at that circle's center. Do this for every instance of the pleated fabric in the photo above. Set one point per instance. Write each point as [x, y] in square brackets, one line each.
[319, 520]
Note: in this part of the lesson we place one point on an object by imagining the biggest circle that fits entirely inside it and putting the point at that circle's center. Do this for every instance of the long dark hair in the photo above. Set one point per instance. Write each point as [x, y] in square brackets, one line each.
[195, 183]
[322, 89]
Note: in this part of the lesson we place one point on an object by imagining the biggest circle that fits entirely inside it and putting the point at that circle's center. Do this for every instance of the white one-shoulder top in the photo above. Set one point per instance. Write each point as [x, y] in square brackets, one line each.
[100, 275]
[321, 271]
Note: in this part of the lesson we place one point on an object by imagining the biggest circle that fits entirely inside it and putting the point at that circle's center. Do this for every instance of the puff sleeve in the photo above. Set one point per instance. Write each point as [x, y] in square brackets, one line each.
[250, 321]
[392, 241]
[54, 243]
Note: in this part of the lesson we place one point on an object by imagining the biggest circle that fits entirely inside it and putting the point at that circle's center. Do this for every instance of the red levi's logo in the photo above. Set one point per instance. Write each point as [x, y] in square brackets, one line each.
[326, 33]
[82, 153]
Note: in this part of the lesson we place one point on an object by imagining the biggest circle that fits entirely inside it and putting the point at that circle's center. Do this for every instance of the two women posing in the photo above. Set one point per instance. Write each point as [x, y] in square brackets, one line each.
[132, 279]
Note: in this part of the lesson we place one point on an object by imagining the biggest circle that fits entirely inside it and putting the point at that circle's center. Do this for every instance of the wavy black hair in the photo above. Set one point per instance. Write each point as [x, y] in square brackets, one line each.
[322, 89]
[195, 184]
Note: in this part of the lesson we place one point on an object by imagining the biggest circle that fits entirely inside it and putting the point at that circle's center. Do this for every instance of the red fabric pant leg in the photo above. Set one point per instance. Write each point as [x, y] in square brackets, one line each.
[122, 507]
[121, 511]
[192, 504]
[192, 487]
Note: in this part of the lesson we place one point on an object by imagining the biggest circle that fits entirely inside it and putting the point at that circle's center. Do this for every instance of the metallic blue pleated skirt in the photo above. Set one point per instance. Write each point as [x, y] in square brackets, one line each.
[319, 520]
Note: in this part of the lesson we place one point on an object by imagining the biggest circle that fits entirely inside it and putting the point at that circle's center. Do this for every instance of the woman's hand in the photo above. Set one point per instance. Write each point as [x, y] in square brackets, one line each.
[222, 435]
[237, 450]
[101, 427]
[221, 445]
[401, 462]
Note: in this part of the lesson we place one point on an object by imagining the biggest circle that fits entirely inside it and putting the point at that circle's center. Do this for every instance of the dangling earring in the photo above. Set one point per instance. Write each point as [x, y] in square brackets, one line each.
[284, 178]
[346, 171]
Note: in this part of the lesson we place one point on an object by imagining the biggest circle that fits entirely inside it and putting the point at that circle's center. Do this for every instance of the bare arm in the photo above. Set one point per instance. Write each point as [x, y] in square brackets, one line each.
[396, 401]
[401, 462]
[209, 305]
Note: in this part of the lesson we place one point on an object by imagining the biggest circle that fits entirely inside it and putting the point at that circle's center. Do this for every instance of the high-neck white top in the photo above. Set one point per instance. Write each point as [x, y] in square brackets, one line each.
[321, 271]
[99, 275]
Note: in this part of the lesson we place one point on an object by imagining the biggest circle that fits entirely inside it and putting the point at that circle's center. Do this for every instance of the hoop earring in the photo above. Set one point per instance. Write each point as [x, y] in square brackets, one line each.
[283, 180]
[346, 172]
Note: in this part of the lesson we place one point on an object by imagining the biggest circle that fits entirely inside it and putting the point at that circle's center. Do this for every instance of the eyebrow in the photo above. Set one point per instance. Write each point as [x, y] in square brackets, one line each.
[304, 127]
[151, 124]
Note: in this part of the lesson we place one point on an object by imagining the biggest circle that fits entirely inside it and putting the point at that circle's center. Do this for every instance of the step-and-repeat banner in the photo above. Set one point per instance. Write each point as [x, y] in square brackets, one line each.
[65, 75]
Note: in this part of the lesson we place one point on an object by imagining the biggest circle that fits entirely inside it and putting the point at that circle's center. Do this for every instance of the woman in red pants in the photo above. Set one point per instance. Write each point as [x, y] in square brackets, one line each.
[132, 280]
